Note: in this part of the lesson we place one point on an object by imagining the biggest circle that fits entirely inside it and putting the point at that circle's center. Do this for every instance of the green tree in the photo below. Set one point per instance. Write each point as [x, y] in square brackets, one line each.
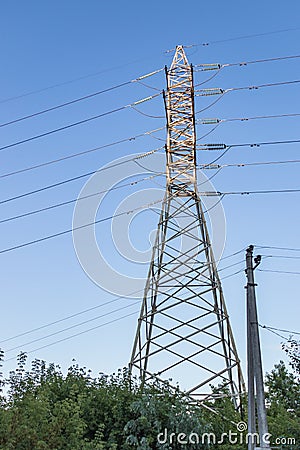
[44, 409]
[283, 397]
[292, 349]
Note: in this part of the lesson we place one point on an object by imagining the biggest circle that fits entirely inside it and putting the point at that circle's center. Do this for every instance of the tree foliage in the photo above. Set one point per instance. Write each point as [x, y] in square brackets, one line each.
[283, 397]
[43, 409]
[292, 349]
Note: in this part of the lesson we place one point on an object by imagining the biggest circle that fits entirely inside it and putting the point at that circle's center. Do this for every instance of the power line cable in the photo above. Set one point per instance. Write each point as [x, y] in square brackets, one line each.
[223, 166]
[205, 67]
[80, 122]
[148, 205]
[55, 322]
[61, 233]
[279, 329]
[119, 187]
[211, 104]
[232, 254]
[231, 265]
[270, 191]
[210, 178]
[77, 100]
[209, 78]
[221, 92]
[68, 202]
[281, 256]
[98, 73]
[64, 232]
[215, 147]
[84, 152]
[86, 321]
[209, 147]
[93, 308]
[147, 115]
[258, 144]
[279, 271]
[122, 141]
[213, 206]
[213, 121]
[233, 274]
[274, 332]
[259, 86]
[209, 132]
[74, 80]
[61, 105]
[216, 159]
[78, 177]
[77, 334]
[237, 38]
[290, 249]
[72, 327]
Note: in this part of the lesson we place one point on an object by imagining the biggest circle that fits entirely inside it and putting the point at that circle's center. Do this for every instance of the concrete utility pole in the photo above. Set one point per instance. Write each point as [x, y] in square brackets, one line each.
[254, 361]
[184, 331]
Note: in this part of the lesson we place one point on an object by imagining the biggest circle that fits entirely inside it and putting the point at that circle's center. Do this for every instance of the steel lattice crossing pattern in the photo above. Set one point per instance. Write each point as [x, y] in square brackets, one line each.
[184, 332]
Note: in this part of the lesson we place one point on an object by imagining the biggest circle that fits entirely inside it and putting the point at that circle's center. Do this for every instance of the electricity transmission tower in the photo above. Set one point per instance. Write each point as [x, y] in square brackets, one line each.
[183, 331]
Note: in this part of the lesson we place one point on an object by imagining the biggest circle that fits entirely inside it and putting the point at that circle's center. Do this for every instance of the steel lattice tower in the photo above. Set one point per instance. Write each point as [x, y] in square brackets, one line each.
[183, 331]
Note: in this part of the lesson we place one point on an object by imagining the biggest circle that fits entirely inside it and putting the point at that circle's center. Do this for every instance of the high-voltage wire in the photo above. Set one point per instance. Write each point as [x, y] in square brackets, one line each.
[55, 322]
[275, 331]
[149, 205]
[103, 315]
[68, 202]
[204, 147]
[71, 327]
[78, 177]
[279, 248]
[62, 105]
[222, 166]
[77, 100]
[201, 67]
[115, 299]
[221, 146]
[83, 322]
[233, 274]
[37, 91]
[84, 152]
[232, 265]
[237, 38]
[280, 256]
[203, 121]
[268, 191]
[217, 66]
[279, 329]
[70, 230]
[210, 165]
[220, 91]
[64, 232]
[279, 271]
[217, 121]
[80, 122]
[77, 334]
[132, 105]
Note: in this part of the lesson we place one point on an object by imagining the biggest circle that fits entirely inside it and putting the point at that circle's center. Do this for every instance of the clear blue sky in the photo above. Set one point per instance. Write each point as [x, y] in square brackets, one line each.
[49, 43]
